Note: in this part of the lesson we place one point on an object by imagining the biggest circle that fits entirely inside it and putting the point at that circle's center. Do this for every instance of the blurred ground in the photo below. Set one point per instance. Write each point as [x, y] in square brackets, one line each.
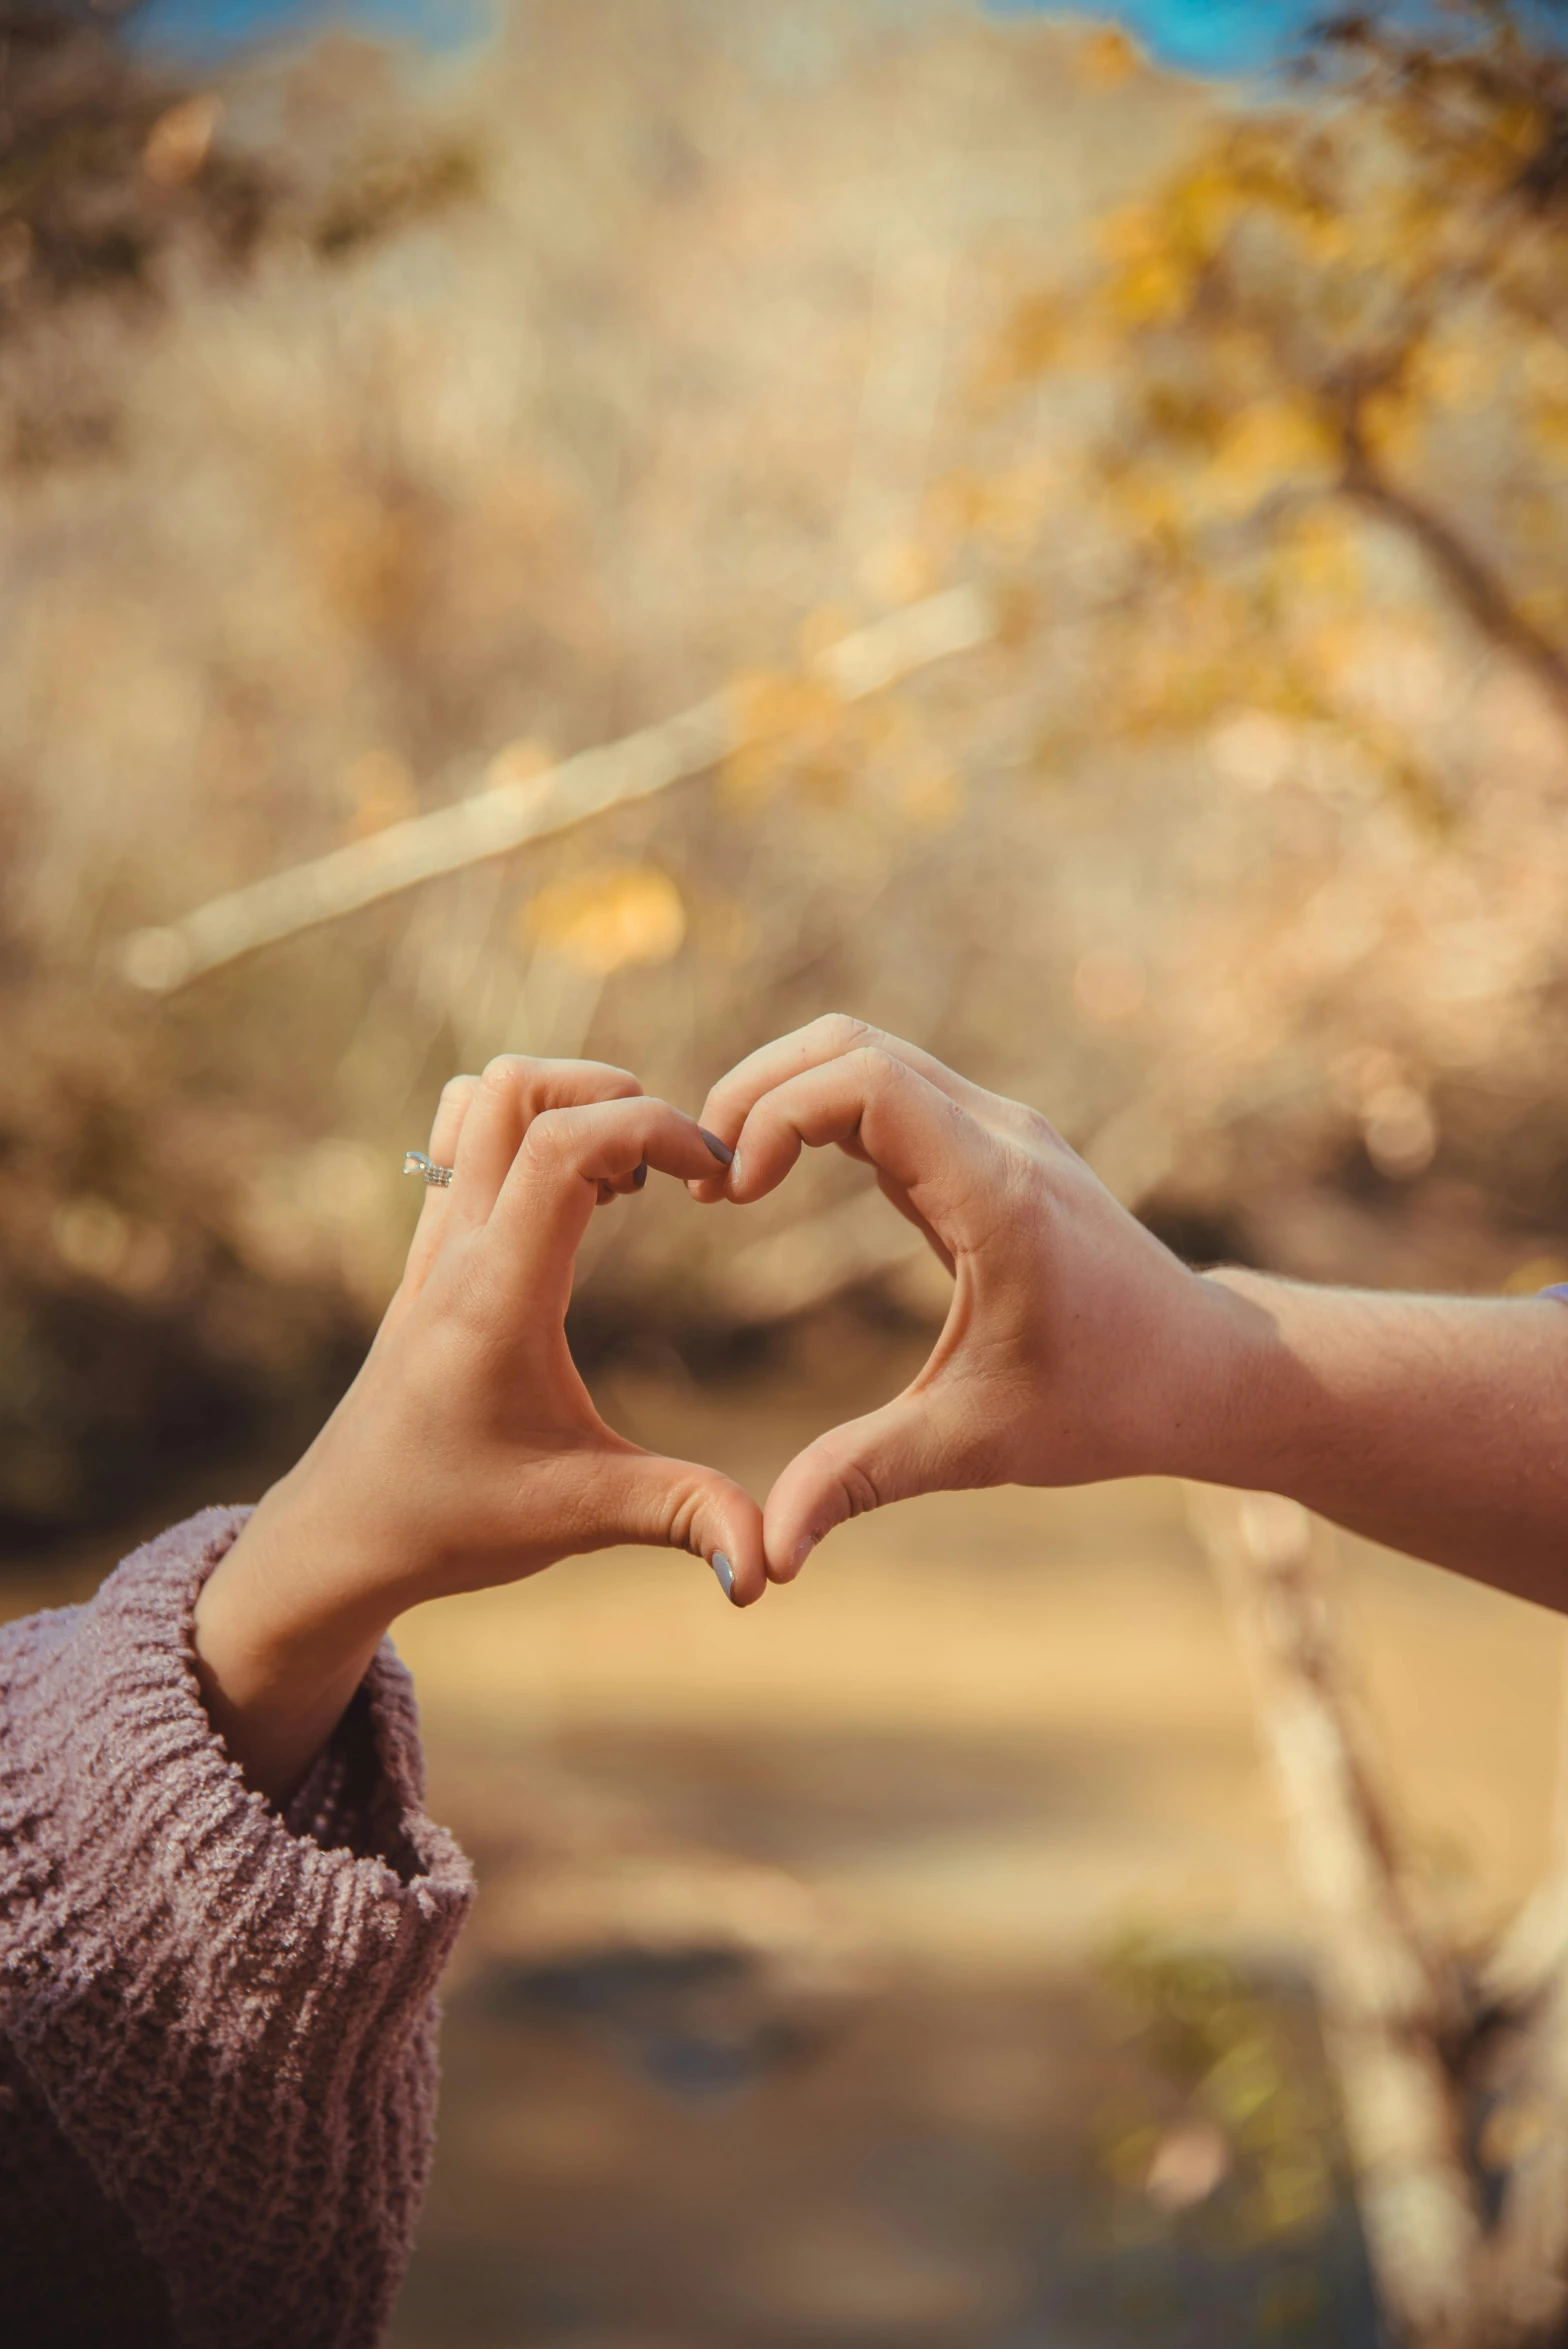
[789, 2013]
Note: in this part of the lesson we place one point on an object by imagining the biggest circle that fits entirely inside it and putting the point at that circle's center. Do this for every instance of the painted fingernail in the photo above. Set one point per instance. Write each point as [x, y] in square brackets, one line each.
[721, 1150]
[640, 1176]
[725, 1572]
[802, 1551]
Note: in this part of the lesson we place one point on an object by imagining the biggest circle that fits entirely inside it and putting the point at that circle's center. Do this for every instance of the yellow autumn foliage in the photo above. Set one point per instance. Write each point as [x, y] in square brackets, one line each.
[1270, 442]
[607, 918]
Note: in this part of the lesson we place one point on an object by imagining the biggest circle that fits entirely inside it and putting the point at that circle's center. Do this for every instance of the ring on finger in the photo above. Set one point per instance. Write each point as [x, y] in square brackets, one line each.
[415, 1162]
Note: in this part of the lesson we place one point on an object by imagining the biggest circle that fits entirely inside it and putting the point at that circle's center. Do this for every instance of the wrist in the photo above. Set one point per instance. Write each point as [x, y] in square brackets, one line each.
[1226, 1415]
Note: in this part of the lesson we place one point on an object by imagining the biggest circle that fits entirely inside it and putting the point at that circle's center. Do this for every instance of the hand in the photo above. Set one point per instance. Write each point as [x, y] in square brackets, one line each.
[1077, 1346]
[467, 1451]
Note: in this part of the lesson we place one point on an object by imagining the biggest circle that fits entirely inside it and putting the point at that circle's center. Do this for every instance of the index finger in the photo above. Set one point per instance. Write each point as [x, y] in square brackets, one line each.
[553, 1184]
[515, 1089]
[926, 1142]
[832, 1037]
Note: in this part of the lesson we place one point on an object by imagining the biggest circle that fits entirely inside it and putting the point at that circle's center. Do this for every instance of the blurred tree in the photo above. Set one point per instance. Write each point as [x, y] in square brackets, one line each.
[1284, 485]
[150, 1314]
[108, 165]
[103, 157]
[115, 169]
[1351, 309]
[1315, 474]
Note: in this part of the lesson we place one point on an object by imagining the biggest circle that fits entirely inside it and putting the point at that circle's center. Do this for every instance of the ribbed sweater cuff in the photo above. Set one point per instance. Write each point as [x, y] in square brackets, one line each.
[218, 2006]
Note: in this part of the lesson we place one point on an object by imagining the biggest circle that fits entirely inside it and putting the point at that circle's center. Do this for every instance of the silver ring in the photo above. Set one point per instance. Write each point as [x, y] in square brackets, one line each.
[415, 1162]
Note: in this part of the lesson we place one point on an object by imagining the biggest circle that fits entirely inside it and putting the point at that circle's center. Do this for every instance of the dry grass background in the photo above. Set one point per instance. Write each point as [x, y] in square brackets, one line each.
[432, 418]
[546, 395]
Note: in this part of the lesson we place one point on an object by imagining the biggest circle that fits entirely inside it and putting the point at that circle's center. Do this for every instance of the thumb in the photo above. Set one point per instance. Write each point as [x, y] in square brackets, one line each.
[680, 1505]
[915, 1444]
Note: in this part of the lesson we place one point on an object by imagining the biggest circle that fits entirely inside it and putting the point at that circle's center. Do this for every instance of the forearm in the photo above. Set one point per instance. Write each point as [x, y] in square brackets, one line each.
[1436, 1425]
[281, 1645]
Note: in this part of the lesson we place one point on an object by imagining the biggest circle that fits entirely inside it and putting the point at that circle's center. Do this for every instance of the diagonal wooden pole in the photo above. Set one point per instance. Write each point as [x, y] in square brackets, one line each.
[511, 813]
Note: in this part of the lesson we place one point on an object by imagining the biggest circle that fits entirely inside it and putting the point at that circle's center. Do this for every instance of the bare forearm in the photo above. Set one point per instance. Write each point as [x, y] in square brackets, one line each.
[1436, 1425]
[280, 1649]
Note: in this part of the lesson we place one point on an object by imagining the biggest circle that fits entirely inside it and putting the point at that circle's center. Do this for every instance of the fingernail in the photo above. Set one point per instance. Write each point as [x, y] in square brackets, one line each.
[721, 1150]
[725, 1572]
[802, 1551]
[640, 1176]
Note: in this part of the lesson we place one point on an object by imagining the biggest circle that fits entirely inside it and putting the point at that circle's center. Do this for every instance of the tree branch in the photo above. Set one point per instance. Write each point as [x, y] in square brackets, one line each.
[512, 813]
[1471, 581]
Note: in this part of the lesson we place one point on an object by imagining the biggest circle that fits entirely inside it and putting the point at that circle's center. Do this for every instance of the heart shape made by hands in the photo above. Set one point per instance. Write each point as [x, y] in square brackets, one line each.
[1025, 1382]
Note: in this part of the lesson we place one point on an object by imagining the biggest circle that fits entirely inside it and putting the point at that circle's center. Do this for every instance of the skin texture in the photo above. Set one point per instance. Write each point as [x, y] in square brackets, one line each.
[467, 1451]
[1077, 1347]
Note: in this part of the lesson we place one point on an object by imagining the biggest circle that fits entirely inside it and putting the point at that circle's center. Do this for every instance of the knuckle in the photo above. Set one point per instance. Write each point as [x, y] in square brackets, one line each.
[681, 1520]
[859, 1490]
[840, 1029]
[880, 1066]
[552, 1137]
[451, 1115]
[503, 1074]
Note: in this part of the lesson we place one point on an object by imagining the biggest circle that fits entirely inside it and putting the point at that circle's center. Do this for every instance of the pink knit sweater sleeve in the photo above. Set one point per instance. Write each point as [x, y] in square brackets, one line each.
[217, 2023]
